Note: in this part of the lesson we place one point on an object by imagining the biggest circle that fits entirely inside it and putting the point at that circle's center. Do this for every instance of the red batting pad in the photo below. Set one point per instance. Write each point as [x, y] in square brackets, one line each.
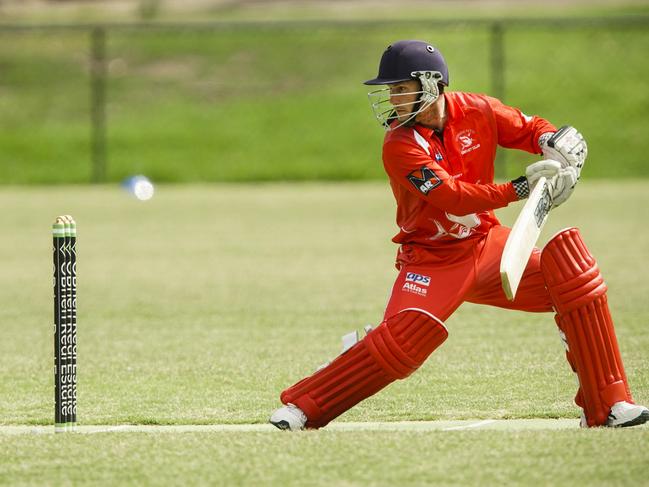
[578, 294]
[393, 350]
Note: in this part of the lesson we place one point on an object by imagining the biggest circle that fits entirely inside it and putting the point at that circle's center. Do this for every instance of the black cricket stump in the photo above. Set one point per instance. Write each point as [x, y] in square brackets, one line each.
[65, 323]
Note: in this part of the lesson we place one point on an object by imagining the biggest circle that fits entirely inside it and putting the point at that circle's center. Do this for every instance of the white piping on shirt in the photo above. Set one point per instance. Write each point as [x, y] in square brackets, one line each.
[422, 142]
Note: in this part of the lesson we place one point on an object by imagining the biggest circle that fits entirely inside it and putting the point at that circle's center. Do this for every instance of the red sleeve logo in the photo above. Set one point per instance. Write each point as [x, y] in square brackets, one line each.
[424, 179]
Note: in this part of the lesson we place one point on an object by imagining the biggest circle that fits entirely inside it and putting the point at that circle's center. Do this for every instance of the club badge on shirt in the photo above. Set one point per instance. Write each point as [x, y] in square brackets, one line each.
[467, 141]
[424, 179]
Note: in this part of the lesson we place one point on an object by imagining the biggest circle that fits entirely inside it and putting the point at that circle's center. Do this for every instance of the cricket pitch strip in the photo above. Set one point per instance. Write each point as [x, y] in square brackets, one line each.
[447, 425]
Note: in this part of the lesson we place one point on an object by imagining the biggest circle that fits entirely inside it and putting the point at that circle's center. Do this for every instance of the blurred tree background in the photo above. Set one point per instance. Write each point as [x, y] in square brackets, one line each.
[204, 90]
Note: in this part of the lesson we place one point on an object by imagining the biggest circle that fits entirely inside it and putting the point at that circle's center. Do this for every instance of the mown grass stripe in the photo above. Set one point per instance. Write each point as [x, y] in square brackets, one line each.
[489, 424]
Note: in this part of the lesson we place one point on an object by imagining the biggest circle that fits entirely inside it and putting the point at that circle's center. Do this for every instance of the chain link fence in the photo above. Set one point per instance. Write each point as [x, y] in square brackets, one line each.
[285, 100]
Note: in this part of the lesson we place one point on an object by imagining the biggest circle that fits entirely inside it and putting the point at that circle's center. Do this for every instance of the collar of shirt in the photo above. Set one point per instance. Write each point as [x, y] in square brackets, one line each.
[454, 114]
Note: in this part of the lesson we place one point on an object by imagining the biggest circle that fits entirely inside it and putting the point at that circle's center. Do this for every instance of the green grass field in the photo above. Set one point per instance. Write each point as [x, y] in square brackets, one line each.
[200, 306]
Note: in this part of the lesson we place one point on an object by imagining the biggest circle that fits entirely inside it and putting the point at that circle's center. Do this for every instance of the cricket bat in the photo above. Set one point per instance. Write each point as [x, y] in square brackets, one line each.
[523, 237]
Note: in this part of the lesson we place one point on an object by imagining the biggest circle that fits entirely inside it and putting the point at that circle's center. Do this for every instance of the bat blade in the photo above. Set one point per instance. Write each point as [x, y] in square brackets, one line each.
[523, 237]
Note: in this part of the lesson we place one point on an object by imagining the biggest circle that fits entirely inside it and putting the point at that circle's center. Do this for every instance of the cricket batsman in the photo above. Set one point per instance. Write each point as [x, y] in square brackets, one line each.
[438, 153]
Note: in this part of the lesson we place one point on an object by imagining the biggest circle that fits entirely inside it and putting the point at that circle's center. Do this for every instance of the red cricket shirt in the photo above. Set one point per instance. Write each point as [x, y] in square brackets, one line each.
[444, 185]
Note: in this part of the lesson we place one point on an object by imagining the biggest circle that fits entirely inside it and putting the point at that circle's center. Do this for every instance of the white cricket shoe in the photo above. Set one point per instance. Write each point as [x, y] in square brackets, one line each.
[626, 414]
[289, 417]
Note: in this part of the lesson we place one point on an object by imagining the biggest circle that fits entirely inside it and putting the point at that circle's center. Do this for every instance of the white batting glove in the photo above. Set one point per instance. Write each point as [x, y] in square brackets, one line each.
[563, 184]
[547, 169]
[567, 146]
[524, 185]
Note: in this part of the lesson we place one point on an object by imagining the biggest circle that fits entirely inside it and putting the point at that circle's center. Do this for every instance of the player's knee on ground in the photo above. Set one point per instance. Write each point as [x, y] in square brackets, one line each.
[393, 350]
[578, 293]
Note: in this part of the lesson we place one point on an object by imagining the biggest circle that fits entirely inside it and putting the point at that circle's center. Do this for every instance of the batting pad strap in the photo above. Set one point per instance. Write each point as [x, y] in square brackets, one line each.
[612, 393]
[578, 291]
[401, 348]
[389, 356]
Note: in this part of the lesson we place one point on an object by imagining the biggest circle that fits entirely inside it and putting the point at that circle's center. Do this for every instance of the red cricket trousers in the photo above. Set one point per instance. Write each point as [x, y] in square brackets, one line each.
[439, 280]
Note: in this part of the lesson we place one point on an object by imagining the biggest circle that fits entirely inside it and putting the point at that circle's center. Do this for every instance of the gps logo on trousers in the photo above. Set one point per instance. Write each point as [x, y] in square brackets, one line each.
[418, 279]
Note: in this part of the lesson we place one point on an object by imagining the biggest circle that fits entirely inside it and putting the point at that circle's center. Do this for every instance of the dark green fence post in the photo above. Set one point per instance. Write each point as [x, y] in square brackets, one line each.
[498, 82]
[98, 102]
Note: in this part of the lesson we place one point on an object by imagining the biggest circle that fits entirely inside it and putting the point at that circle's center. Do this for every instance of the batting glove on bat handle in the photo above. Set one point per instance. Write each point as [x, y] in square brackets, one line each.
[563, 184]
[546, 168]
[567, 146]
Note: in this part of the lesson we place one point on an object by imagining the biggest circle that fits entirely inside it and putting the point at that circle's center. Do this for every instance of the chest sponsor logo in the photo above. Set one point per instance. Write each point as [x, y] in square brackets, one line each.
[418, 279]
[424, 179]
[467, 141]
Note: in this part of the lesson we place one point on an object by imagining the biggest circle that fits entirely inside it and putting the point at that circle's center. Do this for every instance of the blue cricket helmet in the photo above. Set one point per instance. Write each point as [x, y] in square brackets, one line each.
[403, 59]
